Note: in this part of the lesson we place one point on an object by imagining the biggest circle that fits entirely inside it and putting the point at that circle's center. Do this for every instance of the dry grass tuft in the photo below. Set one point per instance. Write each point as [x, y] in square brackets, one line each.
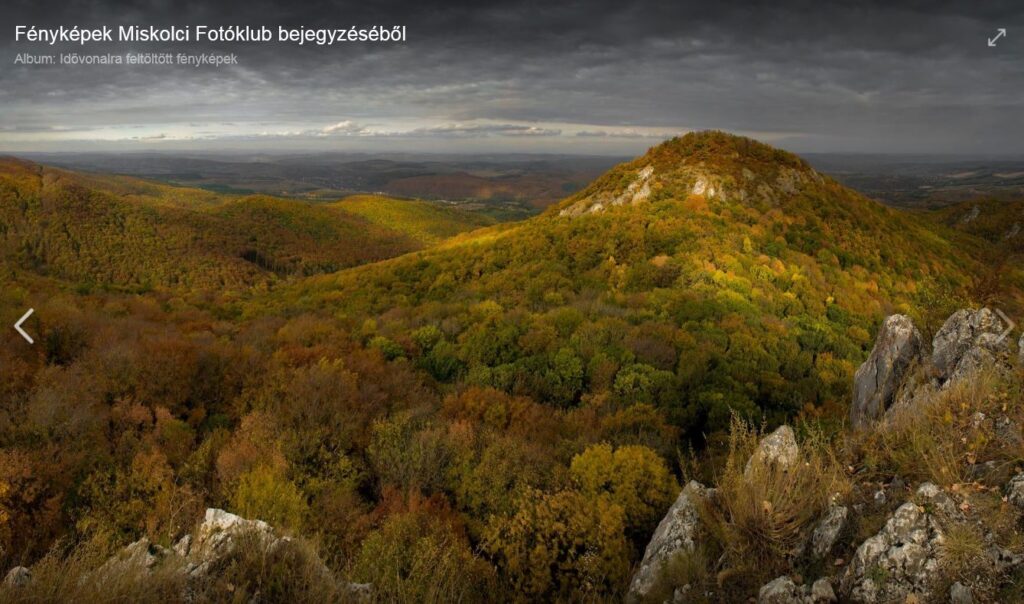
[959, 435]
[67, 574]
[762, 517]
[289, 572]
[688, 570]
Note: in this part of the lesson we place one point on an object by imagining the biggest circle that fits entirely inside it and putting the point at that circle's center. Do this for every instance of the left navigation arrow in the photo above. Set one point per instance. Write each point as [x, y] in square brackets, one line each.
[17, 326]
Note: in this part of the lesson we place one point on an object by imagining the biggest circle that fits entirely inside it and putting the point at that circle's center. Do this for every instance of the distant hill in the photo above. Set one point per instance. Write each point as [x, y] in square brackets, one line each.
[925, 181]
[999, 225]
[713, 274]
[997, 221]
[505, 186]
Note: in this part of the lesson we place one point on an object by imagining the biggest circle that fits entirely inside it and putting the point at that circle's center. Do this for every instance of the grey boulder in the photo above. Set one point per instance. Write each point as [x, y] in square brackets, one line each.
[898, 347]
[677, 533]
[968, 341]
[19, 576]
[780, 591]
[906, 552]
[778, 448]
[827, 531]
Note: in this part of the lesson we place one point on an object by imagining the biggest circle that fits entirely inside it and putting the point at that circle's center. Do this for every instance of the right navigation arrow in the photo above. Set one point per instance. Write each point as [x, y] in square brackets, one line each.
[1009, 322]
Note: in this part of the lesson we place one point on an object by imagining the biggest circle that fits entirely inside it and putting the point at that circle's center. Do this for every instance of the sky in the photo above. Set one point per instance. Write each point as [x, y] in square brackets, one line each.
[599, 77]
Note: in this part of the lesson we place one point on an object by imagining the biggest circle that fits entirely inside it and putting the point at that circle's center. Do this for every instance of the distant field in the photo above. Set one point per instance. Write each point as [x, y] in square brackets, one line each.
[925, 182]
[504, 187]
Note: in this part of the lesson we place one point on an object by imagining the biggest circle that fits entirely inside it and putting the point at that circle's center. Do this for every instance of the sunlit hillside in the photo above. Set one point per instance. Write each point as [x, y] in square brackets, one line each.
[426, 222]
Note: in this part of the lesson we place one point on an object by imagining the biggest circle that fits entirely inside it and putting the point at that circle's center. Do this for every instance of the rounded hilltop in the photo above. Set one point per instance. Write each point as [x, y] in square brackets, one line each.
[722, 151]
[709, 164]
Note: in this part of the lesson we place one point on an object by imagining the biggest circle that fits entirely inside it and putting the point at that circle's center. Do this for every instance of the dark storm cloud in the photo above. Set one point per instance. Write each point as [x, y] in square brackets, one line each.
[581, 76]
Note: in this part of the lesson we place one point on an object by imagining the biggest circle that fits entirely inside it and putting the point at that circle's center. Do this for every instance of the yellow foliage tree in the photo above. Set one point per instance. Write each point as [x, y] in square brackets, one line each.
[267, 494]
[633, 477]
[561, 546]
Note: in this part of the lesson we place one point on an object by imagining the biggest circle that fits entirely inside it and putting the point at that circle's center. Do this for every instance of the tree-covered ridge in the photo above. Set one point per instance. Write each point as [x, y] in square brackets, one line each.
[288, 237]
[996, 230]
[111, 231]
[125, 187]
[997, 221]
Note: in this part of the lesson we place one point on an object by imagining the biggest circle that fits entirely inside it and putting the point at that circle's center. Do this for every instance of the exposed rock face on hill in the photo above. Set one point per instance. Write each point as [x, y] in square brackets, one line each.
[636, 192]
[660, 174]
[967, 342]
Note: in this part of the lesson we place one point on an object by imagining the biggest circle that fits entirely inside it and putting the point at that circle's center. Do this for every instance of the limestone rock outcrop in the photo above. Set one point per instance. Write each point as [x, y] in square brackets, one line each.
[897, 349]
[899, 371]
[902, 559]
[1015, 491]
[968, 341]
[205, 552]
[17, 576]
[780, 591]
[677, 532]
[827, 531]
[784, 590]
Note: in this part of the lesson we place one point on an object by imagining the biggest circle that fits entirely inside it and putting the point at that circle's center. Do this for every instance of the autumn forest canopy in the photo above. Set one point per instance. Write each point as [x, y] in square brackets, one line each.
[446, 406]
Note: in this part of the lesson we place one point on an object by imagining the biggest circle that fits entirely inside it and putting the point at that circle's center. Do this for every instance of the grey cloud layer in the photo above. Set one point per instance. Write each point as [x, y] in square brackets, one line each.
[865, 76]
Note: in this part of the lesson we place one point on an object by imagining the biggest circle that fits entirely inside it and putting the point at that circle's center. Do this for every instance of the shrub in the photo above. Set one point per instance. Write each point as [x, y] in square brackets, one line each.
[388, 347]
[632, 477]
[405, 455]
[427, 337]
[68, 574]
[415, 557]
[949, 434]
[291, 571]
[561, 546]
[265, 493]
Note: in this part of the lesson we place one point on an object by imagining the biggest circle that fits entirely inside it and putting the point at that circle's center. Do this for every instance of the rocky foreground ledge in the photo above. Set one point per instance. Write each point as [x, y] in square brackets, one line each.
[199, 557]
[905, 559]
